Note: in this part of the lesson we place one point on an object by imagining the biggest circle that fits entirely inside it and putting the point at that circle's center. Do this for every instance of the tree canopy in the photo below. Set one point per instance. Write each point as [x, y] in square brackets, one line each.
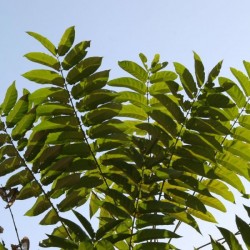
[148, 150]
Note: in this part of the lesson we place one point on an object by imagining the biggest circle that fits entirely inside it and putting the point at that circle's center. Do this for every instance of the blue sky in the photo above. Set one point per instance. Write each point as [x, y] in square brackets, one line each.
[119, 30]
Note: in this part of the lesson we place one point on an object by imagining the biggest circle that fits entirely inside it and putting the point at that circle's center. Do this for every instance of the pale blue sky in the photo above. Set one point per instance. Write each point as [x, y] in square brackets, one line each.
[119, 30]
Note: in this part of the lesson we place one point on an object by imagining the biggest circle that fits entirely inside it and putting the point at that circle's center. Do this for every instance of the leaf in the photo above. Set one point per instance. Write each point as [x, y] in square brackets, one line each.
[153, 234]
[187, 80]
[9, 99]
[75, 55]
[83, 69]
[43, 59]
[154, 246]
[18, 111]
[214, 72]
[44, 41]
[76, 229]
[42, 204]
[134, 69]
[50, 218]
[220, 188]
[62, 242]
[54, 109]
[230, 239]
[94, 204]
[87, 225]
[244, 229]
[44, 76]
[162, 76]
[106, 229]
[242, 79]
[234, 91]
[104, 245]
[66, 41]
[244, 121]
[23, 177]
[216, 245]
[153, 219]
[131, 83]
[203, 216]
[31, 189]
[199, 70]
[9, 165]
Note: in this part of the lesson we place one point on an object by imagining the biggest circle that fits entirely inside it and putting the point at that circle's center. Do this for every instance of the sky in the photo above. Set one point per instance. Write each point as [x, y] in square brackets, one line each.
[120, 30]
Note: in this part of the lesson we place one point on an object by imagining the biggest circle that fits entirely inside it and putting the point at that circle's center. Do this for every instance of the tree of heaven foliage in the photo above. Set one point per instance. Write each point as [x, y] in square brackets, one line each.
[145, 151]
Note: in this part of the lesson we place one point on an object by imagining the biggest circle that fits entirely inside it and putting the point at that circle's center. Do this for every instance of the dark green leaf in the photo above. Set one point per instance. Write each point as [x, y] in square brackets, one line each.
[230, 238]
[214, 72]
[244, 229]
[62, 242]
[243, 80]
[42, 204]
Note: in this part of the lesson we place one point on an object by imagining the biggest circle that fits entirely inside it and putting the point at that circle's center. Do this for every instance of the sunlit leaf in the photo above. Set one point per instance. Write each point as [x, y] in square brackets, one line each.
[66, 41]
[44, 41]
[43, 59]
[44, 76]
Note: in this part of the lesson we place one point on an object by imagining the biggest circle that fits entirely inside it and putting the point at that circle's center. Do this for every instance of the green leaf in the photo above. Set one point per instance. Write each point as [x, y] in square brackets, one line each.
[131, 83]
[104, 245]
[234, 163]
[44, 41]
[243, 80]
[153, 234]
[230, 238]
[203, 216]
[24, 125]
[199, 70]
[66, 41]
[87, 225]
[216, 245]
[83, 69]
[186, 218]
[214, 72]
[9, 99]
[9, 165]
[244, 121]
[241, 134]
[165, 121]
[106, 229]
[134, 69]
[44, 76]
[43, 59]
[50, 93]
[154, 219]
[154, 246]
[172, 106]
[212, 202]
[18, 111]
[208, 126]
[234, 91]
[50, 218]
[75, 55]
[230, 177]
[244, 229]
[238, 148]
[220, 188]
[62, 242]
[76, 229]
[66, 181]
[162, 76]
[23, 177]
[42, 204]
[187, 80]
[54, 109]
[94, 204]
[31, 189]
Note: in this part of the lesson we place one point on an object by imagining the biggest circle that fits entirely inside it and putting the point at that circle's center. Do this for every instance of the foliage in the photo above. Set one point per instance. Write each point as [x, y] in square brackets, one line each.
[145, 151]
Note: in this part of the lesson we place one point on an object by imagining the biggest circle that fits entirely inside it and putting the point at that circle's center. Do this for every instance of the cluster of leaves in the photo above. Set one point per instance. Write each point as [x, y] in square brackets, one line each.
[144, 151]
